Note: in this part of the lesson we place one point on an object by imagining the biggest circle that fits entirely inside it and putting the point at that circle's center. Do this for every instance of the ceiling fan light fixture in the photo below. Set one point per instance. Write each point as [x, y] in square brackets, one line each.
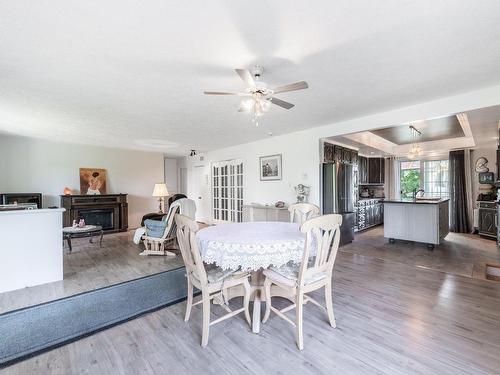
[247, 104]
[259, 96]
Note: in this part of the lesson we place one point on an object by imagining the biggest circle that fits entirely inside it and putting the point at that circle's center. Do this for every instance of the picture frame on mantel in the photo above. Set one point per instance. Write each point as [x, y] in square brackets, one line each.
[270, 167]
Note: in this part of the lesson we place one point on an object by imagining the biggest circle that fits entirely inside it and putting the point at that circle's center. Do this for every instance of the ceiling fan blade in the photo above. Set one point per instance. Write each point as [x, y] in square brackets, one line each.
[246, 76]
[219, 93]
[282, 103]
[226, 93]
[291, 87]
[241, 109]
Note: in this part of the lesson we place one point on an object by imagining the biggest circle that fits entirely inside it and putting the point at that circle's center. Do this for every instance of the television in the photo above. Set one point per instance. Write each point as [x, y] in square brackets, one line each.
[13, 198]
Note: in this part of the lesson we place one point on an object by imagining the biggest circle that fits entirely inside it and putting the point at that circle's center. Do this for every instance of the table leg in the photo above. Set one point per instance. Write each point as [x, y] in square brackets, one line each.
[100, 240]
[68, 238]
[256, 312]
[91, 236]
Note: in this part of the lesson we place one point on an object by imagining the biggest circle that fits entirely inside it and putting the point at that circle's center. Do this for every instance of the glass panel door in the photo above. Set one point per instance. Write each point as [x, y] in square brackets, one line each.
[227, 190]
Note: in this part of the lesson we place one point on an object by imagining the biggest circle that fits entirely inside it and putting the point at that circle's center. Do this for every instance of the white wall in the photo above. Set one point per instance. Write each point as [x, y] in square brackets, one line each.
[172, 175]
[300, 150]
[490, 154]
[34, 165]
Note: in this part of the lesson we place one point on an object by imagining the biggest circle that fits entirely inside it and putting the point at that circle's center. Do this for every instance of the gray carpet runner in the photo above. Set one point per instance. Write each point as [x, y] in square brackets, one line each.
[31, 330]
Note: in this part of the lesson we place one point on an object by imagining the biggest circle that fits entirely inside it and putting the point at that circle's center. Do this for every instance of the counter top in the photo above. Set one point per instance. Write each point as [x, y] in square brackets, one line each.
[32, 212]
[414, 201]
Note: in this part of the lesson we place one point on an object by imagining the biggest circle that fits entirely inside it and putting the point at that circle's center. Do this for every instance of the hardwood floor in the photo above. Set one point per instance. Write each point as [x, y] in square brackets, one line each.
[89, 267]
[459, 254]
[392, 318]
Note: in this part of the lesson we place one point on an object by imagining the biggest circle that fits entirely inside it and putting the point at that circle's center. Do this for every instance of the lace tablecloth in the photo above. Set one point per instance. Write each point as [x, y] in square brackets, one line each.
[251, 245]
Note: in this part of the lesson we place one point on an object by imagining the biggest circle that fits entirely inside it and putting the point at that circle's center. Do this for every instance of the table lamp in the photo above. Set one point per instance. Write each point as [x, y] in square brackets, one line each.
[160, 191]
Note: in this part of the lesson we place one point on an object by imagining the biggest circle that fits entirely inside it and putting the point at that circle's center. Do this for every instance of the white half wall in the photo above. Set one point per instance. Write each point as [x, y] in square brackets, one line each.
[301, 153]
[34, 165]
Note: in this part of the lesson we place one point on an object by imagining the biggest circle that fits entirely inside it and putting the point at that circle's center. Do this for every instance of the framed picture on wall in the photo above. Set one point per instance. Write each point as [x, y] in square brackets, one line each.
[92, 181]
[270, 167]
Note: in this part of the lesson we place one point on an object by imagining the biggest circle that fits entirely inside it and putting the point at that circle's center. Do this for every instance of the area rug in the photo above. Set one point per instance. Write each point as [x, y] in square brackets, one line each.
[29, 331]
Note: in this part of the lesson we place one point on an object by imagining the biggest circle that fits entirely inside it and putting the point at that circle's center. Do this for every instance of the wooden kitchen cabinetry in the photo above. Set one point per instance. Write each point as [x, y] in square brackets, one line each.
[371, 170]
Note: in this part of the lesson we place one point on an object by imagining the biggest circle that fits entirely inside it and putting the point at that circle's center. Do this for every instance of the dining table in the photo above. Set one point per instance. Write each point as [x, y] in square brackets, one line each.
[252, 247]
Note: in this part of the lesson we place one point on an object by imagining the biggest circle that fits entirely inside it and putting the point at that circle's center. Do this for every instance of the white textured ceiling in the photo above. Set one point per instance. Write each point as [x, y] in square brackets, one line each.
[115, 72]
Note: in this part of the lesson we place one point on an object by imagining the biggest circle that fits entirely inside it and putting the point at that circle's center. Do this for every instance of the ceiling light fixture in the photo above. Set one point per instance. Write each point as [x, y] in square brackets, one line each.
[257, 98]
[415, 148]
[192, 153]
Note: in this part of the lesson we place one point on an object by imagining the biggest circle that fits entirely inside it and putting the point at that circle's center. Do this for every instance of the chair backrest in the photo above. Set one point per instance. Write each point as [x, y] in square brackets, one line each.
[300, 212]
[186, 237]
[169, 218]
[174, 197]
[323, 236]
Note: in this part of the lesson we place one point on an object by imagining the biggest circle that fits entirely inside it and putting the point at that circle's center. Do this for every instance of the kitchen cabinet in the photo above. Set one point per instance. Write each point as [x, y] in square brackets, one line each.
[363, 170]
[488, 219]
[370, 212]
[376, 170]
[338, 154]
[371, 170]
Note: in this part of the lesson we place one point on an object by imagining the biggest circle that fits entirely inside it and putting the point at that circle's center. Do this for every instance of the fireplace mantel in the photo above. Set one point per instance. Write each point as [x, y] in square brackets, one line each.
[107, 210]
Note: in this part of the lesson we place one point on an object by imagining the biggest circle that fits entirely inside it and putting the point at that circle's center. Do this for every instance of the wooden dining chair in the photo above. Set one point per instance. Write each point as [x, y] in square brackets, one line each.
[211, 281]
[314, 272]
[300, 212]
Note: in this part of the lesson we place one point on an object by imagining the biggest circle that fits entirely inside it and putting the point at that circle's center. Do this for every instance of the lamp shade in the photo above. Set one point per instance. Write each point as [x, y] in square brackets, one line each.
[160, 190]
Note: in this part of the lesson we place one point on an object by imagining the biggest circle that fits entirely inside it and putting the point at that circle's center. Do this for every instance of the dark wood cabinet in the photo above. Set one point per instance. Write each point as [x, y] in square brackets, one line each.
[363, 170]
[370, 212]
[376, 170]
[488, 219]
[371, 170]
[339, 154]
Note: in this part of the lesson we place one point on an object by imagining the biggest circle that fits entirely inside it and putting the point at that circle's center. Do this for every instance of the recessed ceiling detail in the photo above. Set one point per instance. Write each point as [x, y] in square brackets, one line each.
[431, 130]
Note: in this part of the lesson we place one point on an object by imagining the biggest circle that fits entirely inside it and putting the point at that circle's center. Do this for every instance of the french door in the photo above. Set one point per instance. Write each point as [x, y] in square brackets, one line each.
[227, 190]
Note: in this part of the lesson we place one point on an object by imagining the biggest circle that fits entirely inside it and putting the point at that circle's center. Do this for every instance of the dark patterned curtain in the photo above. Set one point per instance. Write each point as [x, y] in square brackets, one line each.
[458, 195]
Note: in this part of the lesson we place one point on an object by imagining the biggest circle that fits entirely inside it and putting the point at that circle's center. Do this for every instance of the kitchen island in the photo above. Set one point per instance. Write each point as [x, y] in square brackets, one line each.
[418, 220]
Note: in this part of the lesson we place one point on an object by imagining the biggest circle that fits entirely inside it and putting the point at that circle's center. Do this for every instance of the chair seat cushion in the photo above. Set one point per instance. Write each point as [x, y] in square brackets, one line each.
[155, 228]
[289, 274]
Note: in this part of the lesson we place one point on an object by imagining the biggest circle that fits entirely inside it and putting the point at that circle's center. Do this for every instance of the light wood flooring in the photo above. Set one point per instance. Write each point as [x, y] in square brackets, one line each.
[459, 254]
[90, 267]
[393, 317]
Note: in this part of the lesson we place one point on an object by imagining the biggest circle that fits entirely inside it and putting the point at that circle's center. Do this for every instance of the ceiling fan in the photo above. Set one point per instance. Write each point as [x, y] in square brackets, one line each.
[258, 97]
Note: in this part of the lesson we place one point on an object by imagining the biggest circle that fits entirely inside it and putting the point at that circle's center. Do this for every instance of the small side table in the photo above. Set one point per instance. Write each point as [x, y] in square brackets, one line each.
[86, 231]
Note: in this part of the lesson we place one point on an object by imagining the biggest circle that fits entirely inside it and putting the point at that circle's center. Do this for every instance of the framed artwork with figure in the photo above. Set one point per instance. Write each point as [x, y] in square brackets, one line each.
[270, 167]
[92, 181]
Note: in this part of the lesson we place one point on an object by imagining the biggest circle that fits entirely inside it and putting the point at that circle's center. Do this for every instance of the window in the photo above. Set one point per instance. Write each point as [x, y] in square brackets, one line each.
[436, 182]
[430, 175]
[227, 190]
[410, 178]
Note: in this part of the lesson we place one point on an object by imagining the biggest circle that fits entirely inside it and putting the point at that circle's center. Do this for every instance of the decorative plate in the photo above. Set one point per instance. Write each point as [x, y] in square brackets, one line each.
[482, 165]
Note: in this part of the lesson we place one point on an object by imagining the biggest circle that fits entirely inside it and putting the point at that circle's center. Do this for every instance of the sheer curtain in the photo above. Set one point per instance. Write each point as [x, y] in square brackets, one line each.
[459, 220]
[392, 183]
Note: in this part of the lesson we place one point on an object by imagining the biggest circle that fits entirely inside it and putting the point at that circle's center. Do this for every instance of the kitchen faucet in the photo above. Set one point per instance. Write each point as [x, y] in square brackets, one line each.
[415, 192]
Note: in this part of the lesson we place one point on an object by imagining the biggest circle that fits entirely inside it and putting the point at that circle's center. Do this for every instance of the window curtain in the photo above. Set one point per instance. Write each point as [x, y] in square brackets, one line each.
[392, 181]
[468, 188]
[459, 221]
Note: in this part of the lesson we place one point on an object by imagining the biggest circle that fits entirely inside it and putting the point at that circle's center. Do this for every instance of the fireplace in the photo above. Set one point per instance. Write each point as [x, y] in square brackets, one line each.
[109, 211]
[98, 216]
